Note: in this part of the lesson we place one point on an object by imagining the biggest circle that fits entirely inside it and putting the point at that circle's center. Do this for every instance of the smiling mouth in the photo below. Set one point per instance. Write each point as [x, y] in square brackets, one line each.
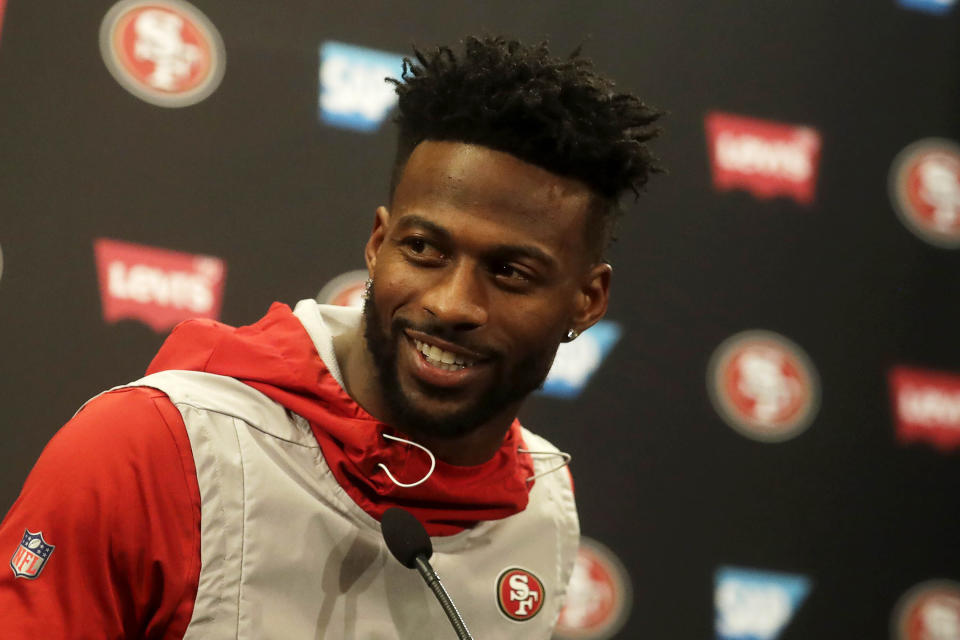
[446, 360]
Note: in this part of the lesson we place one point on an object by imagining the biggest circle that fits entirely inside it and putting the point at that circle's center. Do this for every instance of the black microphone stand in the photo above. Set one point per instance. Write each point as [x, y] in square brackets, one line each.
[433, 581]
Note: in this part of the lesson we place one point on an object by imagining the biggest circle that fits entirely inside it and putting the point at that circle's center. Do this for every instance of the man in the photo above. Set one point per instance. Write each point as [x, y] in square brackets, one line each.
[236, 491]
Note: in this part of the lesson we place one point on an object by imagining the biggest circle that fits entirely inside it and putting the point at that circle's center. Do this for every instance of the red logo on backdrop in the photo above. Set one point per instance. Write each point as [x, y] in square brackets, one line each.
[925, 190]
[157, 286]
[929, 611]
[598, 596]
[519, 593]
[164, 51]
[765, 158]
[346, 290]
[926, 406]
[763, 385]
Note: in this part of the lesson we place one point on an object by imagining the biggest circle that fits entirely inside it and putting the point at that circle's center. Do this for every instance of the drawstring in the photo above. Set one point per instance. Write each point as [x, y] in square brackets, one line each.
[433, 464]
[566, 460]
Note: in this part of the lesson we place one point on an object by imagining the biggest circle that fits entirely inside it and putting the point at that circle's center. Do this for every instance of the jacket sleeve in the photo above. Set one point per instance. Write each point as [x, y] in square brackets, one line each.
[115, 492]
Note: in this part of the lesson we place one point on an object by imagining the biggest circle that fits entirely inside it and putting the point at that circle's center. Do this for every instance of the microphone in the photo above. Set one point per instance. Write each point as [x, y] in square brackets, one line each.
[410, 545]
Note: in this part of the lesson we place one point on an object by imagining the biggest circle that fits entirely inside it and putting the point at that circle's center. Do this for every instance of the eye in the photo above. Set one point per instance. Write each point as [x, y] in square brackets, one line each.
[511, 274]
[507, 271]
[421, 250]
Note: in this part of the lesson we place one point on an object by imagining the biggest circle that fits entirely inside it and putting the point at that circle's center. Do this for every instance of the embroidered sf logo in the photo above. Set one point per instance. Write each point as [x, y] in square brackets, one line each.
[519, 593]
[31, 555]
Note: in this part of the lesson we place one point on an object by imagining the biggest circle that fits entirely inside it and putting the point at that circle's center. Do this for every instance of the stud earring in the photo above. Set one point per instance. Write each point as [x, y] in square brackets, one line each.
[367, 289]
[572, 335]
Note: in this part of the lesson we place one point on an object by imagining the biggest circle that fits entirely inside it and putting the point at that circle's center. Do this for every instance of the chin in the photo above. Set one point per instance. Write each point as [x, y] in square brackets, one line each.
[419, 413]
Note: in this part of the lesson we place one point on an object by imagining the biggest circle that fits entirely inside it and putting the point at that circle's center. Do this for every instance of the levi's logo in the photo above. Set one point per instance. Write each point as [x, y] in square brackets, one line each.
[157, 286]
[765, 158]
[926, 406]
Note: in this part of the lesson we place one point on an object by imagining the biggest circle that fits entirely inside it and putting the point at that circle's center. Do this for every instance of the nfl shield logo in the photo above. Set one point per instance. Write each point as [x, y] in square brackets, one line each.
[31, 555]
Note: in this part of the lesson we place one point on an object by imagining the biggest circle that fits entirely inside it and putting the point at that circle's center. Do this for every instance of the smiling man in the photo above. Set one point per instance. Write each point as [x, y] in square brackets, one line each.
[236, 490]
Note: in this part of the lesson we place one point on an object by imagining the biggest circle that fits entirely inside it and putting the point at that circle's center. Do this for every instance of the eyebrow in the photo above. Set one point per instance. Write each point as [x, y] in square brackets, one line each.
[500, 252]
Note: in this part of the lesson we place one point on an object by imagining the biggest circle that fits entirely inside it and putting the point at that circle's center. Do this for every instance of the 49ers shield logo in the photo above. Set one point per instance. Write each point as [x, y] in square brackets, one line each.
[163, 51]
[928, 611]
[31, 555]
[763, 385]
[519, 593]
[925, 190]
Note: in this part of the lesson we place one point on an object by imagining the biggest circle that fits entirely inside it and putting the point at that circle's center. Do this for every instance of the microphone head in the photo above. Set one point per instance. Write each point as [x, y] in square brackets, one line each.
[405, 536]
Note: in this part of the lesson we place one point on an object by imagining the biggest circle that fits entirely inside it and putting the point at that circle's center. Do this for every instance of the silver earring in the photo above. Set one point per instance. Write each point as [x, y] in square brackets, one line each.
[367, 289]
[572, 335]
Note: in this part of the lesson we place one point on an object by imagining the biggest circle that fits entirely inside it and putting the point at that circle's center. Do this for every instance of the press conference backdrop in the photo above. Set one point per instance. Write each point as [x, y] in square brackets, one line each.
[765, 429]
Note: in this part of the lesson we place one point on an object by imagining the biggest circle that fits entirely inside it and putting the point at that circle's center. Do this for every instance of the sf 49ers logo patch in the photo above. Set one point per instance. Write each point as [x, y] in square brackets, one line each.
[31, 555]
[519, 593]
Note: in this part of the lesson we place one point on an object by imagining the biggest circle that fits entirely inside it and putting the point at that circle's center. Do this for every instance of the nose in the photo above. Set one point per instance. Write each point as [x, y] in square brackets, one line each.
[458, 298]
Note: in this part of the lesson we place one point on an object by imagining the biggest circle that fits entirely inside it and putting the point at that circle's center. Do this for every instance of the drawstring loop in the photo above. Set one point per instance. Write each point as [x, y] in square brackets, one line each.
[433, 464]
[563, 454]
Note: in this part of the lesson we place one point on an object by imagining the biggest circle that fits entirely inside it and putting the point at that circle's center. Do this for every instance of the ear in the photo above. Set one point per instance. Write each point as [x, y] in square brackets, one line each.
[593, 297]
[377, 235]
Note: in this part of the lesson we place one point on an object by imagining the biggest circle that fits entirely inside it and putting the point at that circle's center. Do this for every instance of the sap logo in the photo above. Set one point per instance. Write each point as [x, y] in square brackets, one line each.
[577, 361]
[157, 286]
[354, 93]
[756, 605]
[936, 7]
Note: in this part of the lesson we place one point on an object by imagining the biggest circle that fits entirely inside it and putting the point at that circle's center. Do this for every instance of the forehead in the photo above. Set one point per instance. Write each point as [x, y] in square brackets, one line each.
[495, 189]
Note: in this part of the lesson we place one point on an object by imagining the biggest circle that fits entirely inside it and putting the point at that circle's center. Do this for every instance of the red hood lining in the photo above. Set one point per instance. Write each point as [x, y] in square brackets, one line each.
[277, 357]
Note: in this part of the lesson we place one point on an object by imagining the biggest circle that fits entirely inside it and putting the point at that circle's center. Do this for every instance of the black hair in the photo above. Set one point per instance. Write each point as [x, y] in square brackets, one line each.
[558, 114]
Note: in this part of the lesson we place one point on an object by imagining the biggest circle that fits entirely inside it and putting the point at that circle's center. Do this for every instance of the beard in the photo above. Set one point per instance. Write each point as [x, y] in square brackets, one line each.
[511, 381]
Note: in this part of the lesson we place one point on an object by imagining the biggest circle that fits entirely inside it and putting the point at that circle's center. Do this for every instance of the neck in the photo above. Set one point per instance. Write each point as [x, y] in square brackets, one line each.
[361, 382]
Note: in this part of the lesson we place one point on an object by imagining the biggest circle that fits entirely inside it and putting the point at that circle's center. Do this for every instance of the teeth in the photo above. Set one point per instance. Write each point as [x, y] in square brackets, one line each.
[441, 359]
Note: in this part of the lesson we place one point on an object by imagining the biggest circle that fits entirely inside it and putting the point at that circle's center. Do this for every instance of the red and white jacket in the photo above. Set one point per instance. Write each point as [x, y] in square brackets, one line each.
[236, 492]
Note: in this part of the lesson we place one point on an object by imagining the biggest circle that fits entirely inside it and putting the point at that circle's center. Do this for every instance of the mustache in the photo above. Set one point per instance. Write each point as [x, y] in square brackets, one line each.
[443, 332]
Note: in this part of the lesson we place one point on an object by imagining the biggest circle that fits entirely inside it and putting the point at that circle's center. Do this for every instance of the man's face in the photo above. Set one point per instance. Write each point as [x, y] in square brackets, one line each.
[480, 268]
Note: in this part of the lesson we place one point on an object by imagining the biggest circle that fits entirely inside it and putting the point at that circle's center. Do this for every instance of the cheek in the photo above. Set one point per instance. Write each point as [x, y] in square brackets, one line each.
[394, 285]
[534, 325]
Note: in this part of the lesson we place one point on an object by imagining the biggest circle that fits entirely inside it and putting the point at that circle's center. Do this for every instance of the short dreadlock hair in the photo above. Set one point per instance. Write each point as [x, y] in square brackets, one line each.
[558, 114]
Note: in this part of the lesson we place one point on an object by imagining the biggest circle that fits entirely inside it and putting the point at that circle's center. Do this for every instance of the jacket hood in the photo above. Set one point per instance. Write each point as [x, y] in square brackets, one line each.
[278, 357]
